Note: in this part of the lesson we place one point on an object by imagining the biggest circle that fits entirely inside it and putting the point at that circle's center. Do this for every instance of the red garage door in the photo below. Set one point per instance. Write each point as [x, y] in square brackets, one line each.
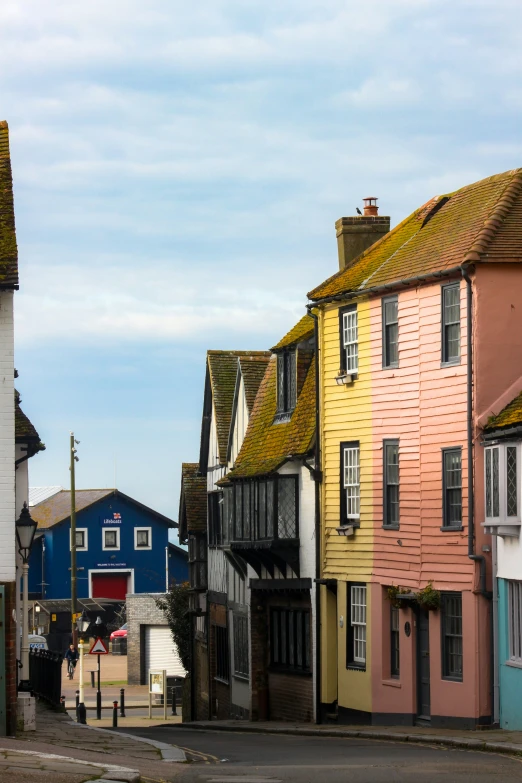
[110, 586]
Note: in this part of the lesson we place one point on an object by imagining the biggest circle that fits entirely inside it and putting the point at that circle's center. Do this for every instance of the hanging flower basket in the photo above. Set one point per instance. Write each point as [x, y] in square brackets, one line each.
[428, 598]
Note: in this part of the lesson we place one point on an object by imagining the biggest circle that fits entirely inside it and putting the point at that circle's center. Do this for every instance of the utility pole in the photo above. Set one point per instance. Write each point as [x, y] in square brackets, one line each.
[74, 591]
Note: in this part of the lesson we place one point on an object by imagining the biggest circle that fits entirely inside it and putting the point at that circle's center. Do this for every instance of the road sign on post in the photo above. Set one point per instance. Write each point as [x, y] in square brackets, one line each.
[99, 648]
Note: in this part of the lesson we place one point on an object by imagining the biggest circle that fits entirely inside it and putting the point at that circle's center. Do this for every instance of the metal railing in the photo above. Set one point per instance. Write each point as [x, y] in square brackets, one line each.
[45, 675]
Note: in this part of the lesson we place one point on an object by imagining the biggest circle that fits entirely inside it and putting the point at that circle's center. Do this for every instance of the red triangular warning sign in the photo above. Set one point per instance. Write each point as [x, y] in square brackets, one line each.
[99, 648]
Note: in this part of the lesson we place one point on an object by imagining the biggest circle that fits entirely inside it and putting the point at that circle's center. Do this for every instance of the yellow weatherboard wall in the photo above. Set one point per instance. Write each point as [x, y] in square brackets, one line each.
[345, 416]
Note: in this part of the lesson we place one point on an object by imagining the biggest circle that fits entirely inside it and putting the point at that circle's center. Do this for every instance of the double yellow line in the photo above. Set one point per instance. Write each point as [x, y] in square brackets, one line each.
[206, 758]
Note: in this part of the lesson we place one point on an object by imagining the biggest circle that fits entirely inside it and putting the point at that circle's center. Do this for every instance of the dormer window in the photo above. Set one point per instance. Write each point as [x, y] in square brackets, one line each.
[286, 382]
[502, 482]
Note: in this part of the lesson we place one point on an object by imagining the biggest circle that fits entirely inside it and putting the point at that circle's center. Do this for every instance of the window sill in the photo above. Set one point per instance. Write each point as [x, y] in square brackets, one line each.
[452, 363]
[242, 677]
[354, 667]
[392, 683]
[451, 528]
[514, 664]
[220, 679]
[391, 527]
[390, 366]
[453, 679]
[283, 417]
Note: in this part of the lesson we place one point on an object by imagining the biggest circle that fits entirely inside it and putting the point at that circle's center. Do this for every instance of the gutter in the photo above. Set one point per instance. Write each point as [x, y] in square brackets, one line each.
[480, 559]
[317, 479]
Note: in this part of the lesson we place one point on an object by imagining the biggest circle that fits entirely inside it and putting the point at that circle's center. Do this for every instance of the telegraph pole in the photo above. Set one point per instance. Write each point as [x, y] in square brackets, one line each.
[74, 591]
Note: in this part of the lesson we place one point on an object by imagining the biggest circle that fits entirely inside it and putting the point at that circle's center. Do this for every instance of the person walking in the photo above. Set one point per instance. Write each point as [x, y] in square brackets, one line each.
[71, 656]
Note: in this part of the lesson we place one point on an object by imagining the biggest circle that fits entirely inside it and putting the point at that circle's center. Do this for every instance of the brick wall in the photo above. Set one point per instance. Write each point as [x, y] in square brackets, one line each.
[290, 697]
[141, 611]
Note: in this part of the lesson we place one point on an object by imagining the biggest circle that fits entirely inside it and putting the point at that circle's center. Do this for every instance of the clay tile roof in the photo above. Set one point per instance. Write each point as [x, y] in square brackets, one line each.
[222, 366]
[511, 416]
[480, 222]
[267, 445]
[253, 368]
[58, 507]
[25, 431]
[8, 248]
[303, 330]
[193, 501]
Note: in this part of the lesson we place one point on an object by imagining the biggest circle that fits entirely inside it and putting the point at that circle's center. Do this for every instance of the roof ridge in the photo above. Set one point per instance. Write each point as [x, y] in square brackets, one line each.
[491, 225]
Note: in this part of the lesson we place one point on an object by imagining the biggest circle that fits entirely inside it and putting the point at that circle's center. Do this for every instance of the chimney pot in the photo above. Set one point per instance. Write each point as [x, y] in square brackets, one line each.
[370, 206]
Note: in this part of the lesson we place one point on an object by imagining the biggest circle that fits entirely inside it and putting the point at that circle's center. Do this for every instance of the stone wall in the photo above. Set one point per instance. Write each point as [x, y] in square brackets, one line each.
[141, 611]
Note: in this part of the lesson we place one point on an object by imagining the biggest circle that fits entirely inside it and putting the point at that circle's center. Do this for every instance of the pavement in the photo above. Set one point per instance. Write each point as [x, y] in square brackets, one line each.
[62, 750]
[494, 740]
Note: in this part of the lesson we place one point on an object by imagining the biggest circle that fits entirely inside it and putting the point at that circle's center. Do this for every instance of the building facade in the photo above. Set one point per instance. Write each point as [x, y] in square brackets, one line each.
[408, 332]
[122, 547]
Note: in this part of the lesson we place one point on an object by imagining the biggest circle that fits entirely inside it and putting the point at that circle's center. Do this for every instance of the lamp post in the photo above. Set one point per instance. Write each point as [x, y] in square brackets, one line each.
[25, 529]
[100, 632]
[82, 625]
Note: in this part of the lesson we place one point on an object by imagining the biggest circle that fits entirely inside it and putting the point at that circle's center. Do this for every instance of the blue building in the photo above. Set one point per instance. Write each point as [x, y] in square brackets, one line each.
[122, 547]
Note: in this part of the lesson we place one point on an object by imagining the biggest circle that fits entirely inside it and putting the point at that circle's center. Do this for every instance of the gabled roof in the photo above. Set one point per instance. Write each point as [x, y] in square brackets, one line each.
[510, 416]
[192, 501]
[252, 369]
[57, 508]
[220, 383]
[481, 222]
[303, 330]
[267, 445]
[25, 431]
[8, 248]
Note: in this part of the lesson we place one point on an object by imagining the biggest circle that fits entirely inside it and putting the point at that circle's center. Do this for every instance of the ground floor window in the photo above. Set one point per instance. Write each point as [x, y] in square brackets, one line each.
[395, 669]
[356, 628]
[240, 631]
[515, 621]
[451, 627]
[290, 639]
[222, 654]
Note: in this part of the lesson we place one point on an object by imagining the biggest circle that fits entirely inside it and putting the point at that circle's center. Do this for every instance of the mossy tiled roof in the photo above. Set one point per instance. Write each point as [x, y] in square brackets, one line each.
[303, 330]
[511, 416]
[25, 432]
[8, 248]
[267, 445]
[480, 222]
[192, 502]
[222, 367]
[253, 368]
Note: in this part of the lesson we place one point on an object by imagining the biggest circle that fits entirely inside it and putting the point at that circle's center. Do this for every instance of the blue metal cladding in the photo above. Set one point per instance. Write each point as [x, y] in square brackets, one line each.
[147, 565]
[510, 677]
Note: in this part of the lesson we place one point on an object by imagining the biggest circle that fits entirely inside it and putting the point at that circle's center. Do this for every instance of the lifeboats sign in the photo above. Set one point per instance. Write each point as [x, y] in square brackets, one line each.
[114, 520]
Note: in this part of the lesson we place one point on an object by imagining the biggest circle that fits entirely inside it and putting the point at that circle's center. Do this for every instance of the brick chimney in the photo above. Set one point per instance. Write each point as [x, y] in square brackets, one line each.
[356, 234]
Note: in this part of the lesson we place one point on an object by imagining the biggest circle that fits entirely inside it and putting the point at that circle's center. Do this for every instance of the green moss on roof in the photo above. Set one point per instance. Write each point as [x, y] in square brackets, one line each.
[223, 366]
[470, 225]
[193, 501]
[303, 330]
[267, 445]
[511, 416]
[8, 248]
[253, 368]
[58, 507]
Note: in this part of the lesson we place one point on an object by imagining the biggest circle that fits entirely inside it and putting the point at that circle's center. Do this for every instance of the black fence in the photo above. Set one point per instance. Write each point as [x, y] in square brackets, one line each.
[45, 675]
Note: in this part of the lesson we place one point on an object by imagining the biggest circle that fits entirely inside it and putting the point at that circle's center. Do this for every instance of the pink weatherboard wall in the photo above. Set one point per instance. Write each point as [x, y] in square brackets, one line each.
[423, 405]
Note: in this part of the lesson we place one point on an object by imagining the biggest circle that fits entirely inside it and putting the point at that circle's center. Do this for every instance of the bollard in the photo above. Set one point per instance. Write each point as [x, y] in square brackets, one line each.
[98, 705]
[114, 714]
[62, 703]
[77, 703]
[122, 702]
[174, 700]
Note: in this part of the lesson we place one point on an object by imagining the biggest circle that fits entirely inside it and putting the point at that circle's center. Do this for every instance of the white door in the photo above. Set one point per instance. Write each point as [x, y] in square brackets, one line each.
[161, 652]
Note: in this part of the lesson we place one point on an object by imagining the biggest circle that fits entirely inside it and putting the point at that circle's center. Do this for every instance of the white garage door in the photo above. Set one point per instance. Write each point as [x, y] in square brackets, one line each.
[161, 652]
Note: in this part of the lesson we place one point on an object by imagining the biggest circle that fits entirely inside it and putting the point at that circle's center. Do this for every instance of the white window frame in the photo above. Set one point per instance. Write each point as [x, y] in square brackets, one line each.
[515, 622]
[85, 532]
[502, 520]
[352, 481]
[140, 529]
[351, 341]
[111, 548]
[358, 622]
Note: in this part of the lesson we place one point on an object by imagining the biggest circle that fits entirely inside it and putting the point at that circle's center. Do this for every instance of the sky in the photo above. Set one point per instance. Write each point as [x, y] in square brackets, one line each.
[178, 170]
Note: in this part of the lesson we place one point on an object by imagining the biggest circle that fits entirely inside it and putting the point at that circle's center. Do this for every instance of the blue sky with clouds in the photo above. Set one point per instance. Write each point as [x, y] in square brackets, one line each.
[178, 171]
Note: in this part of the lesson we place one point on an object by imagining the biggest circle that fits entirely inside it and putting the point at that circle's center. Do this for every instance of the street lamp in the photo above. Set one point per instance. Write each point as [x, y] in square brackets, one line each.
[25, 527]
[82, 625]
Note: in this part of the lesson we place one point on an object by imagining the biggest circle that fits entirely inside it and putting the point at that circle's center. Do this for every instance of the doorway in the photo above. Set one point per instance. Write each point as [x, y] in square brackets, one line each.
[423, 667]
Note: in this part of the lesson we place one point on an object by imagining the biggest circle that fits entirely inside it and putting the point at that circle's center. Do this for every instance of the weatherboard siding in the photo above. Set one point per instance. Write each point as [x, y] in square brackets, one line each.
[346, 416]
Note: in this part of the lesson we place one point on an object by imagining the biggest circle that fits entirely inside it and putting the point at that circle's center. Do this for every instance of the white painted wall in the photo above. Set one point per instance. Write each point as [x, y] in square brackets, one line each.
[214, 471]
[21, 495]
[7, 441]
[240, 423]
[509, 555]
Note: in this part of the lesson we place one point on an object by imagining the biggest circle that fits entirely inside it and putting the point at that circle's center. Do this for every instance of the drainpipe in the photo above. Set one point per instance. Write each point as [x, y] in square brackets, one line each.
[496, 684]
[317, 478]
[471, 522]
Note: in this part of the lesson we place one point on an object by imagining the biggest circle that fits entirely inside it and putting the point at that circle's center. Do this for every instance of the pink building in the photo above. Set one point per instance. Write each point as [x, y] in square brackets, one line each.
[435, 324]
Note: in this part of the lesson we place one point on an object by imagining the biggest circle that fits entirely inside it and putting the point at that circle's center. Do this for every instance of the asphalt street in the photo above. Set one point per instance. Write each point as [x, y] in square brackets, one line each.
[232, 757]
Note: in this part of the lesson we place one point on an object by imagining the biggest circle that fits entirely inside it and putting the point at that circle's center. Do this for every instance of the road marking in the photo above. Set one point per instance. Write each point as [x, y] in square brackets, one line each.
[206, 757]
